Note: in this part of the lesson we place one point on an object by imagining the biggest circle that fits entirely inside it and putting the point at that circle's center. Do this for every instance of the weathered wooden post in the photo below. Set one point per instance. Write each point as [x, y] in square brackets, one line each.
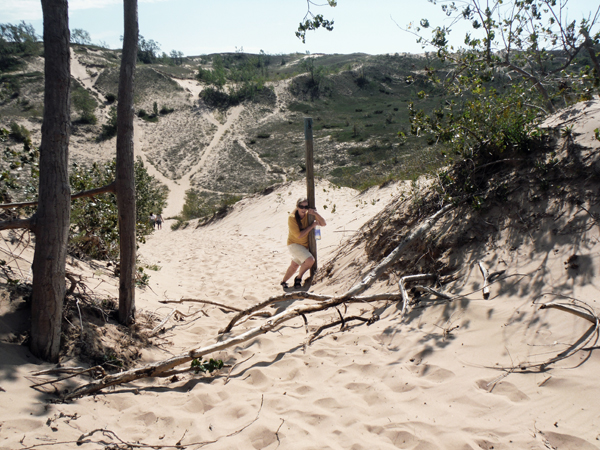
[310, 188]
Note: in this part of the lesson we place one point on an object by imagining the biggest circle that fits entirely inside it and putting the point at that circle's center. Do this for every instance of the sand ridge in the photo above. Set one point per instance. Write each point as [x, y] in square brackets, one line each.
[432, 379]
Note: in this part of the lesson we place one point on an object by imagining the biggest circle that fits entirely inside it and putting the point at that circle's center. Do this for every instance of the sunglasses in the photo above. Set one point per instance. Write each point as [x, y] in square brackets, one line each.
[302, 206]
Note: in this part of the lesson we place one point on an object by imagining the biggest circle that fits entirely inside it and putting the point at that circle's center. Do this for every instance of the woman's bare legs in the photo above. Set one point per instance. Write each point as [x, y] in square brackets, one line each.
[305, 266]
[290, 271]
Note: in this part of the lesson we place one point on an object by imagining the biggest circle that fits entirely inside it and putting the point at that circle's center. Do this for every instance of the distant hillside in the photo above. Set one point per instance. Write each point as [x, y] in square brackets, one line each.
[358, 103]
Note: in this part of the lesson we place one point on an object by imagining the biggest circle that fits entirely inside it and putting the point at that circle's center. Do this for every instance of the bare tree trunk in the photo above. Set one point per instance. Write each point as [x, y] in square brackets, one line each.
[125, 176]
[589, 45]
[51, 221]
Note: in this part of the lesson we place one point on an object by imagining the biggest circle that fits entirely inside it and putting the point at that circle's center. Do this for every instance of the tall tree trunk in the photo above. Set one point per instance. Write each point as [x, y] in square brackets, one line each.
[125, 176]
[589, 45]
[51, 221]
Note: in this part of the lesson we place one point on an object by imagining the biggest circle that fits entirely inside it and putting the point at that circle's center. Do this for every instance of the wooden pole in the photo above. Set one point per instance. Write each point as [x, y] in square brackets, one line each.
[310, 188]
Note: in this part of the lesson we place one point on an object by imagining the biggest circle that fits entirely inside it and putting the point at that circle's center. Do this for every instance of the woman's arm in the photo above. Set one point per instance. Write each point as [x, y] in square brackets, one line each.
[307, 229]
[318, 219]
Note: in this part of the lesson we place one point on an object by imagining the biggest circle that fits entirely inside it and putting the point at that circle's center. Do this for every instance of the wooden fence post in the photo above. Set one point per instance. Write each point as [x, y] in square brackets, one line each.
[310, 188]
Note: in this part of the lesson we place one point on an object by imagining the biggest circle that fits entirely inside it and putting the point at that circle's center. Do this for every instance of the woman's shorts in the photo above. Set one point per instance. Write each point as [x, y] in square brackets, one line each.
[299, 253]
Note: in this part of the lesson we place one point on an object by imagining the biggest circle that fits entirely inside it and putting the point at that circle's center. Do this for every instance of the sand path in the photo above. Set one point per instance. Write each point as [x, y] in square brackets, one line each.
[177, 189]
[428, 380]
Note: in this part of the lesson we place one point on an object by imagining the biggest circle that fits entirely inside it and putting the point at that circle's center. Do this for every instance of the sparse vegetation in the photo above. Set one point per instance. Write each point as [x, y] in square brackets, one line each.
[201, 205]
[84, 103]
[109, 129]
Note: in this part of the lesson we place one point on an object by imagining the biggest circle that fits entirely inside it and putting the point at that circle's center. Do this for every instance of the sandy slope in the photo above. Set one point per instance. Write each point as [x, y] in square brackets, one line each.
[429, 380]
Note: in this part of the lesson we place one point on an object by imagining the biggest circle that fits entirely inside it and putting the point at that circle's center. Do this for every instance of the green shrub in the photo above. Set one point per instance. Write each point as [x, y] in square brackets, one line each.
[200, 205]
[85, 105]
[166, 110]
[19, 133]
[94, 227]
[109, 129]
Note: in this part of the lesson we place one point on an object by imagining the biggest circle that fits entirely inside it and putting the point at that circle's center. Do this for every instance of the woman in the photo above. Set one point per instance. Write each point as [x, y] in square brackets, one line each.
[297, 241]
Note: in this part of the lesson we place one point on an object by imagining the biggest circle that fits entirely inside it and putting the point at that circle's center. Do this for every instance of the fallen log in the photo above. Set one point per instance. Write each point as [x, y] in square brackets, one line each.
[158, 368]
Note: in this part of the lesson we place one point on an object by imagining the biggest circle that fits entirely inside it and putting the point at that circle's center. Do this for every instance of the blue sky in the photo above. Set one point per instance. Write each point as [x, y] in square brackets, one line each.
[198, 27]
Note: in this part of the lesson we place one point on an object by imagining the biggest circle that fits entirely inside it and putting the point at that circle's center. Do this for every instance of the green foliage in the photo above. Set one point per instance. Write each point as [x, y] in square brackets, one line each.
[312, 22]
[517, 66]
[176, 57]
[530, 41]
[16, 41]
[206, 366]
[10, 87]
[142, 114]
[202, 205]
[20, 133]
[109, 129]
[484, 125]
[85, 104]
[81, 37]
[315, 84]
[142, 279]
[215, 77]
[147, 50]
[179, 223]
[94, 221]
[248, 91]
[19, 171]
[246, 75]
[166, 110]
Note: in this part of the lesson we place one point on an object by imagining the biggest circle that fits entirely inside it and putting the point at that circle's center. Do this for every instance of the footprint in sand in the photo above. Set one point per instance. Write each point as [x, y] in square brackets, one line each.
[567, 441]
[432, 373]
[502, 388]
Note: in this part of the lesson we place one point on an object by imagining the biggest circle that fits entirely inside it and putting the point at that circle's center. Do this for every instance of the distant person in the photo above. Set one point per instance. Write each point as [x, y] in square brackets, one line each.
[159, 221]
[153, 220]
[297, 241]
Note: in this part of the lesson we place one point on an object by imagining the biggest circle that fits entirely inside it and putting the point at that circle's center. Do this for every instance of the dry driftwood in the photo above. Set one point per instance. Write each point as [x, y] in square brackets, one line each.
[485, 274]
[580, 309]
[402, 286]
[366, 282]
[159, 368]
[435, 292]
[158, 327]
[197, 300]
[253, 310]
[342, 321]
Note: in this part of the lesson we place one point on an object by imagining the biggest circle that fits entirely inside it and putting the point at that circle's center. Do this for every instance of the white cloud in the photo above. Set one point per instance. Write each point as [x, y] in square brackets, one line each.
[16, 10]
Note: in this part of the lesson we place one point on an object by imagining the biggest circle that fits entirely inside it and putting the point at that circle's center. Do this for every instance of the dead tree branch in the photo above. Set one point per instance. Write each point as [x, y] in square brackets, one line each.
[485, 274]
[16, 224]
[197, 300]
[162, 324]
[393, 257]
[101, 190]
[306, 296]
[158, 368]
[580, 309]
[402, 287]
[343, 322]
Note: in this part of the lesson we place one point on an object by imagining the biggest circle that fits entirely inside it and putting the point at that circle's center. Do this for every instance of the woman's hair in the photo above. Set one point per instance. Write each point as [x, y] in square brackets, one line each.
[296, 215]
[300, 200]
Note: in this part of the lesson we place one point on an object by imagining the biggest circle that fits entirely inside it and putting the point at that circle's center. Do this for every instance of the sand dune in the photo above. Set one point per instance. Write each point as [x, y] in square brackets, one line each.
[432, 379]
